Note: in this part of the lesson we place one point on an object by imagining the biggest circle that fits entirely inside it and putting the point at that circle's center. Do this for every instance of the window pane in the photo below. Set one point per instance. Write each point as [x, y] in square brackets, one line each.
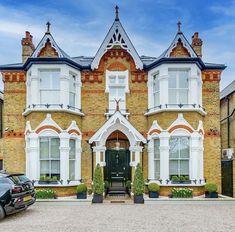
[172, 96]
[156, 99]
[44, 148]
[156, 149]
[183, 96]
[157, 169]
[55, 82]
[55, 148]
[72, 169]
[173, 166]
[184, 147]
[155, 83]
[121, 79]
[183, 79]
[112, 79]
[72, 99]
[172, 79]
[174, 147]
[184, 167]
[50, 97]
[44, 168]
[72, 143]
[55, 167]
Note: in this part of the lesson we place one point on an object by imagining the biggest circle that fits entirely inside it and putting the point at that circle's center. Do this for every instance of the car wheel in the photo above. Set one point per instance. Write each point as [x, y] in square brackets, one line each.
[2, 212]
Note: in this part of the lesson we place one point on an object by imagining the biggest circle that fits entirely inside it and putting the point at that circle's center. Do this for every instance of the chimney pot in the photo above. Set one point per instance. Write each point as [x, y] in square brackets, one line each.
[197, 44]
[27, 46]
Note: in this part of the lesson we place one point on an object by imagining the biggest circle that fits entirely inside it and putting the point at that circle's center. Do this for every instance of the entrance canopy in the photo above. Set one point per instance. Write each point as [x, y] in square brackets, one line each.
[117, 122]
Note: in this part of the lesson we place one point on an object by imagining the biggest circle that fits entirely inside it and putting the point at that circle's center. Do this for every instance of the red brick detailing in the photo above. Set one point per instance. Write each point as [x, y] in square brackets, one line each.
[211, 75]
[74, 131]
[14, 91]
[88, 134]
[180, 127]
[92, 77]
[139, 77]
[179, 51]
[14, 76]
[93, 91]
[113, 135]
[117, 66]
[48, 51]
[14, 134]
[212, 133]
[154, 131]
[47, 127]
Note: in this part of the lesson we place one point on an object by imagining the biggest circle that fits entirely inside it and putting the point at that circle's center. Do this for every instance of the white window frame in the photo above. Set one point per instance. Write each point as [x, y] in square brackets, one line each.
[33, 89]
[156, 94]
[72, 81]
[50, 159]
[194, 89]
[178, 159]
[74, 159]
[125, 85]
[155, 160]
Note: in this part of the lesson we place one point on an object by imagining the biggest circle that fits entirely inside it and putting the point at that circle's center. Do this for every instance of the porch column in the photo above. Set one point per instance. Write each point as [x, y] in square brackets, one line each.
[137, 150]
[32, 157]
[194, 159]
[78, 168]
[151, 160]
[164, 156]
[98, 150]
[64, 156]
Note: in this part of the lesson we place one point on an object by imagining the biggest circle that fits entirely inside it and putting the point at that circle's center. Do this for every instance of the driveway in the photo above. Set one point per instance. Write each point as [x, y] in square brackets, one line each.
[157, 216]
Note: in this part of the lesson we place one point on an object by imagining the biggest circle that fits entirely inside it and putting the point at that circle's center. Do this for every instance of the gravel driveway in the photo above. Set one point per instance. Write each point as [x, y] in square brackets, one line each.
[157, 216]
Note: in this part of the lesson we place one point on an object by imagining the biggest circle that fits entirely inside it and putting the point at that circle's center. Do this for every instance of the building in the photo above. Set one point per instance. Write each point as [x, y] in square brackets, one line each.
[227, 105]
[66, 114]
[1, 130]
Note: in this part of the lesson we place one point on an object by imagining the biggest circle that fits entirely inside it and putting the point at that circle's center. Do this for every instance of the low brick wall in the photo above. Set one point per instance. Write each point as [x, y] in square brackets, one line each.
[62, 191]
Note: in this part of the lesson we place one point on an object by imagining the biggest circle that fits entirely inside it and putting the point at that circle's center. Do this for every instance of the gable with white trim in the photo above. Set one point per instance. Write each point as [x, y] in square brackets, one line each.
[117, 37]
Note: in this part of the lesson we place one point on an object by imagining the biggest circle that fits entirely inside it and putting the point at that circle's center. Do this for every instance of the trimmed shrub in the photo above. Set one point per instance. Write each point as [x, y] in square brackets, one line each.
[174, 178]
[211, 187]
[45, 194]
[153, 187]
[138, 184]
[182, 193]
[98, 183]
[81, 188]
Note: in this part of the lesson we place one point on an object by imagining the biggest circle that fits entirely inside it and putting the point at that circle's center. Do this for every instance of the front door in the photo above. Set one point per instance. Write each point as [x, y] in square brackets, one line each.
[117, 170]
[227, 177]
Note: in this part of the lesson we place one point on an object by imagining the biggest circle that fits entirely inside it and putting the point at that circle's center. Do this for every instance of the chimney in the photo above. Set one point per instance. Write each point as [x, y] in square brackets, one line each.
[197, 44]
[27, 46]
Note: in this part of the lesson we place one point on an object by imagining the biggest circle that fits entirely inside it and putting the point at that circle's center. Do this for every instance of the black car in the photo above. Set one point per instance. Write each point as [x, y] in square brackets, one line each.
[16, 193]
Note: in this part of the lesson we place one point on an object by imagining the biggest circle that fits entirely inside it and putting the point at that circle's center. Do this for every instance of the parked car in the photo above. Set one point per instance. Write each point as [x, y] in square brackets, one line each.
[16, 193]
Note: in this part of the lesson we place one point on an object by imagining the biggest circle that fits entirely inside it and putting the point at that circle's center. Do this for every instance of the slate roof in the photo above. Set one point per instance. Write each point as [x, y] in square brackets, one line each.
[228, 90]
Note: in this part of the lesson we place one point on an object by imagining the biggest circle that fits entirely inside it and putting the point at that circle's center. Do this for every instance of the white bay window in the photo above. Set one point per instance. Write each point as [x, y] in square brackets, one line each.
[175, 87]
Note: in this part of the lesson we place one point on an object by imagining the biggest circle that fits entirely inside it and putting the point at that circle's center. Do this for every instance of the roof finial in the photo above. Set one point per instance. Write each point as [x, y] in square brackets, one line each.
[179, 25]
[116, 11]
[48, 27]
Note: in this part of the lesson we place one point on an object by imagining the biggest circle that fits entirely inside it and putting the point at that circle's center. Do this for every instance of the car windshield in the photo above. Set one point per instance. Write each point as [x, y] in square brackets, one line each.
[18, 179]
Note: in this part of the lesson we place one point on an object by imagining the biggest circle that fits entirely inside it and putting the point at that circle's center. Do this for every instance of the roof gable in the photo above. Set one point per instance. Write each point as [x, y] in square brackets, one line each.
[47, 47]
[117, 37]
[181, 44]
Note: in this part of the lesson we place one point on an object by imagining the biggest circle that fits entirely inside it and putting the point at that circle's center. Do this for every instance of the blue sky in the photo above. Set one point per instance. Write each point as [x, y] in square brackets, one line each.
[79, 26]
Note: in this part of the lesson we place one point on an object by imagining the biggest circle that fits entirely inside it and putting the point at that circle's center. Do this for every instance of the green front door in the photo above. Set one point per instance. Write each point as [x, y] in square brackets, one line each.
[117, 169]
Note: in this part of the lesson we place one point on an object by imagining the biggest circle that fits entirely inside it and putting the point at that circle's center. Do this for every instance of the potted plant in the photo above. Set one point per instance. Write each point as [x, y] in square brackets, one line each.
[211, 190]
[180, 180]
[153, 190]
[138, 185]
[98, 185]
[81, 191]
[106, 187]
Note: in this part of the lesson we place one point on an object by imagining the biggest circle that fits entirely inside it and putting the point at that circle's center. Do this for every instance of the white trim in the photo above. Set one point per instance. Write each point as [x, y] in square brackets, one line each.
[127, 45]
[186, 44]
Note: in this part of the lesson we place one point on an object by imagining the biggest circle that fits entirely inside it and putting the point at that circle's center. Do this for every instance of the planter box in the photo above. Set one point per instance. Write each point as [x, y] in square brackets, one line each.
[181, 182]
[97, 198]
[82, 195]
[211, 195]
[139, 199]
[48, 182]
[153, 194]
